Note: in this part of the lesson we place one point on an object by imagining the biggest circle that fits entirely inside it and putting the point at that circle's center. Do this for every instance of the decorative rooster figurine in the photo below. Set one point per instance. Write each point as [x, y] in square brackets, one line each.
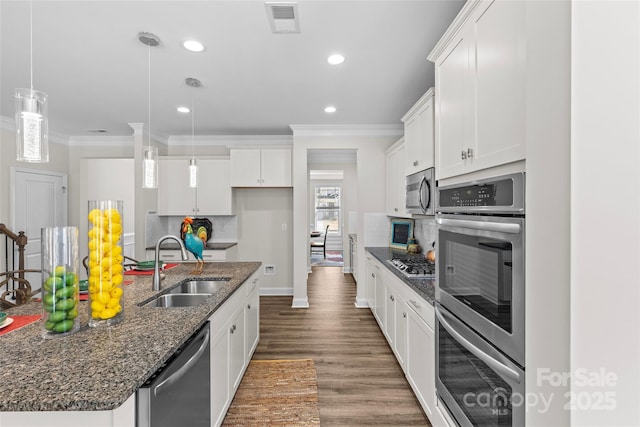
[194, 242]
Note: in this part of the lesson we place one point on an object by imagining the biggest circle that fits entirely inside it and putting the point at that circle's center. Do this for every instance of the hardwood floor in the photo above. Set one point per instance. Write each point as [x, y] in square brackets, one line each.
[359, 380]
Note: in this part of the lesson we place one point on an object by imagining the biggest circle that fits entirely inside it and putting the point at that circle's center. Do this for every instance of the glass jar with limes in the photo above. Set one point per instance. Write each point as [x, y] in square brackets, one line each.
[105, 263]
[60, 283]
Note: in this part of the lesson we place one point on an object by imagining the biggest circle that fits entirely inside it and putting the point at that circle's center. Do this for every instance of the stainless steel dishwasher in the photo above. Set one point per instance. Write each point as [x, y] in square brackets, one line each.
[179, 393]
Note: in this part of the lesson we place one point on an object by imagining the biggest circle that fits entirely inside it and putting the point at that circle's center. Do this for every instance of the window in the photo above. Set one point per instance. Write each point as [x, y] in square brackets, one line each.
[327, 208]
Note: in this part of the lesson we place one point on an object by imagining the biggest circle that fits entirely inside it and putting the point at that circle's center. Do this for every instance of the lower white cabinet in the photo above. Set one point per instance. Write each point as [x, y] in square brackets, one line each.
[235, 334]
[420, 367]
[407, 322]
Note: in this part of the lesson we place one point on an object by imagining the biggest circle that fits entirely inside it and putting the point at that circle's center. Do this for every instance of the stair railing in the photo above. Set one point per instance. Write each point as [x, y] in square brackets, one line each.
[17, 289]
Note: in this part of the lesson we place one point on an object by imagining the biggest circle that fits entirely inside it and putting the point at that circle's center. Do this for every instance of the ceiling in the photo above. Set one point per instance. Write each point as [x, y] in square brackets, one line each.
[88, 59]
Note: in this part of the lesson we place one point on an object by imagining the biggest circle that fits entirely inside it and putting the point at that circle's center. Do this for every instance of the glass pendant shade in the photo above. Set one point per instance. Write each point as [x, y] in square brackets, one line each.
[32, 126]
[193, 173]
[150, 167]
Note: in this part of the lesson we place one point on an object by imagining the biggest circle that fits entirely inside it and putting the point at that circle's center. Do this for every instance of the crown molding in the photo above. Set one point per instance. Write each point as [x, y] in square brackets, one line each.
[469, 7]
[231, 141]
[101, 141]
[9, 125]
[347, 130]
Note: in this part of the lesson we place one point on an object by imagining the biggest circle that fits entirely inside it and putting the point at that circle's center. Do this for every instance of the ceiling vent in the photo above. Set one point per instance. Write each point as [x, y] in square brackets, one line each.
[283, 17]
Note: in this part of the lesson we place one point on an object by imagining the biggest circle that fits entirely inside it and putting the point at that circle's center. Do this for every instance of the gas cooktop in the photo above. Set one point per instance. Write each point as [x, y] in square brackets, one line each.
[414, 267]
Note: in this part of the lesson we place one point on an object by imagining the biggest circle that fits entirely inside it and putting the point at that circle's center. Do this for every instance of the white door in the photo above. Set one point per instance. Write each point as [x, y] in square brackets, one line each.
[39, 200]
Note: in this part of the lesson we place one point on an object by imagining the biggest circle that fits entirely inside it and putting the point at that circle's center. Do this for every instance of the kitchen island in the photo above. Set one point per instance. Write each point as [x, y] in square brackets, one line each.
[99, 369]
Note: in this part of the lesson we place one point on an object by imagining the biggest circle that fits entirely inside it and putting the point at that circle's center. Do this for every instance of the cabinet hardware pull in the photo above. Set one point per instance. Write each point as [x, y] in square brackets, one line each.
[249, 306]
[415, 163]
[415, 304]
[404, 315]
[391, 298]
[469, 152]
[463, 154]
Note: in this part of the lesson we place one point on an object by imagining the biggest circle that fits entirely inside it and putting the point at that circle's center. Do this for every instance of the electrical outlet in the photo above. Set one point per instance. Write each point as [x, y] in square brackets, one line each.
[284, 227]
[269, 270]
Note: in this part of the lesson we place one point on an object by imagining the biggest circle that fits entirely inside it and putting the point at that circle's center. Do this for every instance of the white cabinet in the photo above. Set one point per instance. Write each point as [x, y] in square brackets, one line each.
[396, 326]
[373, 274]
[236, 347]
[420, 363]
[396, 179]
[235, 333]
[261, 167]
[220, 388]
[480, 67]
[252, 311]
[419, 135]
[211, 197]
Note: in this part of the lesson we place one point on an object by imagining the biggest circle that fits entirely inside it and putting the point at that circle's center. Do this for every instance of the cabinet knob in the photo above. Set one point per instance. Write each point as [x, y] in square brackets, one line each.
[415, 163]
[469, 152]
[395, 209]
[392, 298]
[249, 306]
[404, 315]
[463, 154]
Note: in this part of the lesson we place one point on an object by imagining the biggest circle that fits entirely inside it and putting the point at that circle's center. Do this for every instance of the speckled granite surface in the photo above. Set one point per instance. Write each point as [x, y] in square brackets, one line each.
[426, 288]
[99, 368]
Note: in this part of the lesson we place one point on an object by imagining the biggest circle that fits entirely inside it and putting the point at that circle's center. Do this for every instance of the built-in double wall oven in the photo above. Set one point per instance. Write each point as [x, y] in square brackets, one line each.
[480, 301]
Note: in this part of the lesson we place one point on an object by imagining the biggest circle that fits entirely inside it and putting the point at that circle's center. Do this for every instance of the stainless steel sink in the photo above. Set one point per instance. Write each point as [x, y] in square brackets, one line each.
[209, 286]
[178, 300]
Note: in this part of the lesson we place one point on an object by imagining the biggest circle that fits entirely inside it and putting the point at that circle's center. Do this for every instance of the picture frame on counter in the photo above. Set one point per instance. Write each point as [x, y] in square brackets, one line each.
[401, 232]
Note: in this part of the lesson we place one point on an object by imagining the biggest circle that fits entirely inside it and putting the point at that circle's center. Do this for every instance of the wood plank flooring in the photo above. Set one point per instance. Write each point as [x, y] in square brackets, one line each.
[359, 380]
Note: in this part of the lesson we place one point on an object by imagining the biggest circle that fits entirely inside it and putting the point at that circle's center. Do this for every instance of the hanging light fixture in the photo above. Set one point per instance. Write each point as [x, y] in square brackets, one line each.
[149, 154]
[193, 167]
[32, 122]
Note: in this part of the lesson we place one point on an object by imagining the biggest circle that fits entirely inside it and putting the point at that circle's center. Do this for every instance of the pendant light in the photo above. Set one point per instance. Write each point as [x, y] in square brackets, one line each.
[149, 154]
[32, 122]
[193, 167]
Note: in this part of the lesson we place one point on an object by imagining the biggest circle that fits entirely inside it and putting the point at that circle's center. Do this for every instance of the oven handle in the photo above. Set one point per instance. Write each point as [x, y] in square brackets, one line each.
[499, 227]
[493, 363]
[184, 368]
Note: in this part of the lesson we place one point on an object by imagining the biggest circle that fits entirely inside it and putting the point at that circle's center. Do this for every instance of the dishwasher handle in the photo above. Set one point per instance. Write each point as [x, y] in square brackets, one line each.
[184, 368]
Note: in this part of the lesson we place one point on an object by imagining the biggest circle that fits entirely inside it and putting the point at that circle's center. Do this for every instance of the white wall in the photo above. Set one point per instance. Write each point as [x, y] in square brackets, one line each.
[605, 214]
[261, 213]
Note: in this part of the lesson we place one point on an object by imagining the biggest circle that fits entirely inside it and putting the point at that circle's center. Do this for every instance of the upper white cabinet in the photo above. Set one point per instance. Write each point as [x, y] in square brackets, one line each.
[480, 67]
[211, 197]
[261, 167]
[396, 179]
[419, 135]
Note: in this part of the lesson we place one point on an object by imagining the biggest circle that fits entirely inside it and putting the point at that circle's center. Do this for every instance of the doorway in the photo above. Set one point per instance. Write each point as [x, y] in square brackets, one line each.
[327, 221]
[39, 200]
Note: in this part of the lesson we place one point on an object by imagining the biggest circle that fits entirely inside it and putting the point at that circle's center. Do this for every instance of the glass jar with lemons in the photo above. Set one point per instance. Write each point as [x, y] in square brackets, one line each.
[105, 263]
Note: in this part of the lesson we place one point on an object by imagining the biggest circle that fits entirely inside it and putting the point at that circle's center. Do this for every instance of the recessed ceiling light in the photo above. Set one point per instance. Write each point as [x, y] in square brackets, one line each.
[182, 109]
[330, 109]
[193, 46]
[335, 59]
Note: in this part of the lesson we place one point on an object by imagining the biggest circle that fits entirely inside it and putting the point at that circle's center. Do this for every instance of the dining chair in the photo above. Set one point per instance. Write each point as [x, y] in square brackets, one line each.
[321, 245]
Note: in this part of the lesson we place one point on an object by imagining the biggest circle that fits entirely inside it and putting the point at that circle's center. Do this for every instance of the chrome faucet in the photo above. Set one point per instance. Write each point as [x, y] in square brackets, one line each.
[156, 266]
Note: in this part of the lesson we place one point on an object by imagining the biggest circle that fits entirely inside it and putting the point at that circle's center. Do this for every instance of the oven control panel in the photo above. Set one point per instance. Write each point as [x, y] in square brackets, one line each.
[500, 194]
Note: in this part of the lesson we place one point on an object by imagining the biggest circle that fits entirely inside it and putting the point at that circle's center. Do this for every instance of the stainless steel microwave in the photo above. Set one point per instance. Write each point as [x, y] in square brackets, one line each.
[421, 191]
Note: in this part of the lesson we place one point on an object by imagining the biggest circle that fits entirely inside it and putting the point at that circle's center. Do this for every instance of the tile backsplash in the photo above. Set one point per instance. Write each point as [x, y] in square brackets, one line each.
[225, 228]
[424, 232]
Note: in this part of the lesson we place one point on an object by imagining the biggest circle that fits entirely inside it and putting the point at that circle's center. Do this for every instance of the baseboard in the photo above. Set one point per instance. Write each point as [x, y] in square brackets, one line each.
[276, 292]
[346, 270]
[361, 303]
[300, 303]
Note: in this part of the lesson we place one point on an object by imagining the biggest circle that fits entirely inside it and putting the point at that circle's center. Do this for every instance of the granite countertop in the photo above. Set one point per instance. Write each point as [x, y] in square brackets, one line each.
[216, 246]
[99, 368]
[426, 288]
